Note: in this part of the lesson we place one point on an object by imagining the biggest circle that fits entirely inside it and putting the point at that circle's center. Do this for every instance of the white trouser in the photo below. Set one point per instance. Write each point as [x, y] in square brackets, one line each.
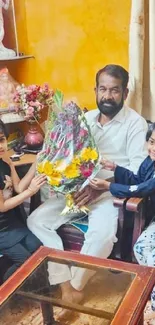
[99, 238]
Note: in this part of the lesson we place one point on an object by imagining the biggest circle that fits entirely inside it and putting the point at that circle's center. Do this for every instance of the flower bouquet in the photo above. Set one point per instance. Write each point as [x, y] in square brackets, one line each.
[69, 155]
[31, 100]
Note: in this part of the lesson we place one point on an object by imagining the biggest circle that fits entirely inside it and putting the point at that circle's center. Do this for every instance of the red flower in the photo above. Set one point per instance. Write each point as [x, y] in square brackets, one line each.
[86, 170]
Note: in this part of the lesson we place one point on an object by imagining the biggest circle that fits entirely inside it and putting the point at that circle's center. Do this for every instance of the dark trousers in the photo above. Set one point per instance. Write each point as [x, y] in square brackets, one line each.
[20, 252]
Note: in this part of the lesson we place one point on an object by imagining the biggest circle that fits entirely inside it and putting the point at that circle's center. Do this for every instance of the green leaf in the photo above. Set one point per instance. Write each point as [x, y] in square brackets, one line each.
[58, 98]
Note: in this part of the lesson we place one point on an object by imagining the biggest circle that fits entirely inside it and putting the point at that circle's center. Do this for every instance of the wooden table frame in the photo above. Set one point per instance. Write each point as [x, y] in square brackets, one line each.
[130, 311]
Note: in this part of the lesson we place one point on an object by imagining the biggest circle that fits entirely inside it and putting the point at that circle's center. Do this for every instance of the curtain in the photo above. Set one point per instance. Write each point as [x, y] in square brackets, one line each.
[142, 58]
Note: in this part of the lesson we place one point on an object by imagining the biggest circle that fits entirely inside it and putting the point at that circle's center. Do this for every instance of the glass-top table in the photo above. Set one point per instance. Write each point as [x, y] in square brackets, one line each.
[116, 294]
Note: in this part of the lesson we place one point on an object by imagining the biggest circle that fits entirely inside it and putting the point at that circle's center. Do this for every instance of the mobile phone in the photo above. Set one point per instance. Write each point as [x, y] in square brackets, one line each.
[15, 158]
[17, 155]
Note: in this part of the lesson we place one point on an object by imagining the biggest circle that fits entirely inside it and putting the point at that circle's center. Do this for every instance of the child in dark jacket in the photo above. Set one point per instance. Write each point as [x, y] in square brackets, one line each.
[127, 184]
[16, 240]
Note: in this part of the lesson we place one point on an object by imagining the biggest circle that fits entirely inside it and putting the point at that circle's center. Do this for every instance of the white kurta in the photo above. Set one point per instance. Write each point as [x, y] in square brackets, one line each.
[121, 140]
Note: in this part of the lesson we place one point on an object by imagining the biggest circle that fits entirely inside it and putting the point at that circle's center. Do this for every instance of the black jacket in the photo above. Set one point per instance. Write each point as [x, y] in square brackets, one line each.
[127, 184]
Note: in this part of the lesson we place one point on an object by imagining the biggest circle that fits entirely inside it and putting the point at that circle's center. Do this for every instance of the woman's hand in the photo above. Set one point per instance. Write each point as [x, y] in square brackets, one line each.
[99, 184]
[36, 183]
[108, 165]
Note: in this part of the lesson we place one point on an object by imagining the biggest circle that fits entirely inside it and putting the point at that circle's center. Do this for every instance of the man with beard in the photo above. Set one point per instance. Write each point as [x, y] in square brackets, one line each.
[119, 133]
[118, 130]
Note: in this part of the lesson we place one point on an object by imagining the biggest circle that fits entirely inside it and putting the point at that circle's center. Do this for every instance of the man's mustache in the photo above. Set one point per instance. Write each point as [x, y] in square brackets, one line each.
[103, 102]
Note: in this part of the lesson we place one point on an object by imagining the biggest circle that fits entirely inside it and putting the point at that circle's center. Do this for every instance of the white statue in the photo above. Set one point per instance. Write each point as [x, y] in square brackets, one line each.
[4, 52]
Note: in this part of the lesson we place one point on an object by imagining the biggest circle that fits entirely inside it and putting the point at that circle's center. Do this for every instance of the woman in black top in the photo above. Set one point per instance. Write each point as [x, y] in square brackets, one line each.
[16, 240]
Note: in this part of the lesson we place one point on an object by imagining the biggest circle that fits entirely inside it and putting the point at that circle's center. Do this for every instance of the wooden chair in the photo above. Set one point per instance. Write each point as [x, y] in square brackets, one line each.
[131, 221]
[142, 215]
[134, 215]
[132, 224]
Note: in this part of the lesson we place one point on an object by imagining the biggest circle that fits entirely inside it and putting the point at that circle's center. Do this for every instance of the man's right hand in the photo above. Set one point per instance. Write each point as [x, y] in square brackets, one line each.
[86, 196]
[36, 183]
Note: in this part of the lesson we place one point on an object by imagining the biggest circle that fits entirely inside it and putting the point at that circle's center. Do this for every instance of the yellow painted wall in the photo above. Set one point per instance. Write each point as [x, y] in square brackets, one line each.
[71, 40]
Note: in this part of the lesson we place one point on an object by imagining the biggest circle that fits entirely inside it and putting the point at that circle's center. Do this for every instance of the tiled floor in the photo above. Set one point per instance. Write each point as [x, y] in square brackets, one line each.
[28, 314]
[149, 316]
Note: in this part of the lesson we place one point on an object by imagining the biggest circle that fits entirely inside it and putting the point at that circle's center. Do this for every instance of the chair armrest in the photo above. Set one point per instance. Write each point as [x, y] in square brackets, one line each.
[134, 204]
[119, 203]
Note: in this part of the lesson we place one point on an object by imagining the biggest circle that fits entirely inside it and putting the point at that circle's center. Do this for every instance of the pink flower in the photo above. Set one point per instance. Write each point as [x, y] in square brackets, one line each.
[79, 146]
[32, 87]
[69, 122]
[66, 152]
[37, 103]
[69, 136]
[30, 110]
[34, 97]
[86, 171]
[83, 133]
[32, 103]
[47, 150]
[46, 87]
[53, 135]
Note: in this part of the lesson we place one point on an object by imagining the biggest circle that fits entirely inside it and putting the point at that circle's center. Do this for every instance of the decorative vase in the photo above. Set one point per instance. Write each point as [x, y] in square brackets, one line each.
[34, 139]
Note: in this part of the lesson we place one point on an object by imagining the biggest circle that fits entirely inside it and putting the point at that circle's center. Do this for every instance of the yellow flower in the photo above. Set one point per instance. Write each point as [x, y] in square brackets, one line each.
[94, 154]
[48, 168]
[71, 171]
[55, 178]
[89, 154]
[55, 173]
[54, 181]
[40, 168]
[76, 160]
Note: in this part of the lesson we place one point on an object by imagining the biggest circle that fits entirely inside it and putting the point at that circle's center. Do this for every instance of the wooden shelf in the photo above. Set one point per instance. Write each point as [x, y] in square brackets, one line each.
[19, 57]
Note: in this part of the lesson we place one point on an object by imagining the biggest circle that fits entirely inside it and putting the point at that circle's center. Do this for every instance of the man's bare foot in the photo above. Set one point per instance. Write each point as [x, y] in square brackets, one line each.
[69, 295]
